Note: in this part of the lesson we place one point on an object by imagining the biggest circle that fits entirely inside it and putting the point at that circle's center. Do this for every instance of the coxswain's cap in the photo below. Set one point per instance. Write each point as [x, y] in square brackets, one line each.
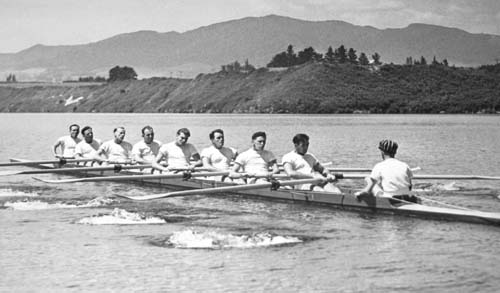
[388, 146]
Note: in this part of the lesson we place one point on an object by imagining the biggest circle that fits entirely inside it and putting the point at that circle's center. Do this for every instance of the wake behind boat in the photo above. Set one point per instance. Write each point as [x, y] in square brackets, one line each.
[345, 201]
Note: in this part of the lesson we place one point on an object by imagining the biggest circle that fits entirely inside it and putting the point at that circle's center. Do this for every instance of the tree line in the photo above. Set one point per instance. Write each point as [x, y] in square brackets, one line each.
[289, 58]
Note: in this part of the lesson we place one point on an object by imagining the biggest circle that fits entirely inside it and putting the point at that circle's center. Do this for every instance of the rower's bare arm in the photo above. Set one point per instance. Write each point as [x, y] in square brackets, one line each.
[207, 164]
[99, 156]
[274, 167]
[54, 149]
[292, 173]
[234, 171]
[196, 161]
[156, 163]
[319, 168]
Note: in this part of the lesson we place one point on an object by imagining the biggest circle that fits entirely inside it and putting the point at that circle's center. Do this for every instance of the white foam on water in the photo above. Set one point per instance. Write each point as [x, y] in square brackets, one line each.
[121, 217]
[37, 205]
[7, 192]
[214, 240]
[40, 205]
[451, 186]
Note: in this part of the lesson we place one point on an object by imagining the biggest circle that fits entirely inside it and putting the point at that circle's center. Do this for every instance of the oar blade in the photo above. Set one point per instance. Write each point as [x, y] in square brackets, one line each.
[10, 172]
[54, 181]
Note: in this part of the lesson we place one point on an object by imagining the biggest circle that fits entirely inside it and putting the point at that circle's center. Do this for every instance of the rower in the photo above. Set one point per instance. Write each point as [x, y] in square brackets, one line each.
[67, 143]
[299, 164]
[255, 161]
[217, 157]
[87, 148]
[116, 150]
[146, 150]
[178, 154]
[389, 178]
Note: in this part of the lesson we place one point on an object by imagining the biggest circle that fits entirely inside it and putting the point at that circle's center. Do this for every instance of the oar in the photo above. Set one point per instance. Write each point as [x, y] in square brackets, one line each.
[117, 168]
[30, 163]
[225, 189]
[456, 177]
[423, 177]
[340, 169]
[134, 177]
[349, 169]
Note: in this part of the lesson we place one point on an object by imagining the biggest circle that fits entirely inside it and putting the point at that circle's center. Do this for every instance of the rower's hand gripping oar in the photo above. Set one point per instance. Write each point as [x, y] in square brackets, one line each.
[273, 185]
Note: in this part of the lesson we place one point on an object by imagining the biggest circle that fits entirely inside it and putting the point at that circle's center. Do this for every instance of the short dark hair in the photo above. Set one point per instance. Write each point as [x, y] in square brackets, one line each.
[85, 129]
[300, 138]
[185, 131]
[147, 127]
[212, 134]
[114, 130]
[78, 126]
[259, 133]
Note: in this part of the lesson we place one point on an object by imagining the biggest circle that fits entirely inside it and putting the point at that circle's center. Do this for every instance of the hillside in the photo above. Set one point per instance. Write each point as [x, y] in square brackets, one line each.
[257, 39]
[310, 88]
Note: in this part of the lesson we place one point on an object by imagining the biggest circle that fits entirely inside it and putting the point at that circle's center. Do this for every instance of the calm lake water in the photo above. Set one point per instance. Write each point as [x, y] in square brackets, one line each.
[78, 237]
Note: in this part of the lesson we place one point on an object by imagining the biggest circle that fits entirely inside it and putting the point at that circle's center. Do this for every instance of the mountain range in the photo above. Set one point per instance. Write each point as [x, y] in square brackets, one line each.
[256, 39]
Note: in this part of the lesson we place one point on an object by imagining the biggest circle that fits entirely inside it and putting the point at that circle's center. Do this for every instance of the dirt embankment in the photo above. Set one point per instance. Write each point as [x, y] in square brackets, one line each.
[310, 88]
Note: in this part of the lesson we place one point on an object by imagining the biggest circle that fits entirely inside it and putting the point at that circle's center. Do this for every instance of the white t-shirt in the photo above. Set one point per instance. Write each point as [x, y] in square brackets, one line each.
[87, 150]
[393, 176]
[146, 152]
[116, 152]
[255, 162]
[219, 158]
[177, 156]
[68, 145]
[300, 163]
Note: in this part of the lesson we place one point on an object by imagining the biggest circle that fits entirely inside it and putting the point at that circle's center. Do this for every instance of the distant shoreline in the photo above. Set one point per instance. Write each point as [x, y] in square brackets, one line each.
[312, 88]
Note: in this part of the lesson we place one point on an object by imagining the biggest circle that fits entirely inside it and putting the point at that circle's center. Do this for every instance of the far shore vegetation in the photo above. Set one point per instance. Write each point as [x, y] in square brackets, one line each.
[339, 81]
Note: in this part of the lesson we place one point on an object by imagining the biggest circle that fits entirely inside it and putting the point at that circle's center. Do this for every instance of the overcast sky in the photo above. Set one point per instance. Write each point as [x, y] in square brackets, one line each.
[24, 23]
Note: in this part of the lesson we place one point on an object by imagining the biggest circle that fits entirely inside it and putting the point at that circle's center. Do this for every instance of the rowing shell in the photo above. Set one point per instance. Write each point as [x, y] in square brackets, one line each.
[344, 201]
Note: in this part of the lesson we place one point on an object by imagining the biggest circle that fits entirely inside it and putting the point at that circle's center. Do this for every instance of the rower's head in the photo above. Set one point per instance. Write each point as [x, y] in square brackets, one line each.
[182, 137]
[74, 130]
[388, 147]
[259, 140]
[301, 143]
[87, 133]
[217, 138]
[148, 134]
[119, 133]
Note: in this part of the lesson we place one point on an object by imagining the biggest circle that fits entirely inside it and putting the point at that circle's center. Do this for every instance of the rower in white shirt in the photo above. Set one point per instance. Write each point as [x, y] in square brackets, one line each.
[217, 157]
[255, 161]
[87, 148]
[67, 143]
[299, 164]
[389, 178]
[146, 150]
[116, 150]
[177, 154]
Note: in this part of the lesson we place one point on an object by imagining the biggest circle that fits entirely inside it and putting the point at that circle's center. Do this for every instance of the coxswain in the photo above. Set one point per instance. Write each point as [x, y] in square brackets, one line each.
[146, 150]
[67, 143]
[178, 154]
[389, 178]
[299, 164]
[116, 150]
[255, 161]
